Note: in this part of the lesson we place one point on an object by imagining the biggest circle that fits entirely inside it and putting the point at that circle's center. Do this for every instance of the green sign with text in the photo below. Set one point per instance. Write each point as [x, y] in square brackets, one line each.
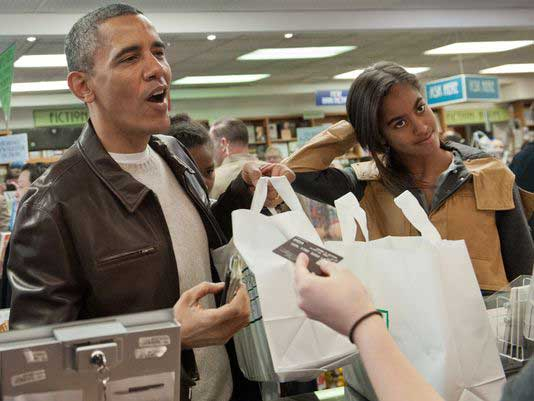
[475, 116]
[60, 117]
[7, 59]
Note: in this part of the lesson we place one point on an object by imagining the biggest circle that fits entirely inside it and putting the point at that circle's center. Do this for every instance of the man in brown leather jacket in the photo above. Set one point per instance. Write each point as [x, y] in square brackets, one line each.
[122, 223]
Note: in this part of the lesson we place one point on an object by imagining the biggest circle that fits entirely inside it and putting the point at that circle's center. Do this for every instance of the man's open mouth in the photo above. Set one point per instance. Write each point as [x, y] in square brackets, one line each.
[158, 96]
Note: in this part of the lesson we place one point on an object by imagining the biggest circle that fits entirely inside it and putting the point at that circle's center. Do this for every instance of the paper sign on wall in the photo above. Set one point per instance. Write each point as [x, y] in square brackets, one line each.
[13, 148]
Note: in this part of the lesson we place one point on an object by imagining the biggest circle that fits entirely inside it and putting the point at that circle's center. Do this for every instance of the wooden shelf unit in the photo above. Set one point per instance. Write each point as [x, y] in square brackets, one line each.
[295, 121]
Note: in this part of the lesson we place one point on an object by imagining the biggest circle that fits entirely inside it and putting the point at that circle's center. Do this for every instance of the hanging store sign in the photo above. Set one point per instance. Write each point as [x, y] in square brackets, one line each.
[462, 88]
[6, 79]
[60, 117]
[334, 97]
[13, 148]
[476, 116]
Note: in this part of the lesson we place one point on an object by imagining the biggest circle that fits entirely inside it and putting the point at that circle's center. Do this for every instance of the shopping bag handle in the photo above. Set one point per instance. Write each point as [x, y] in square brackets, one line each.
[348, 212]
[284, 189]
[416, 215]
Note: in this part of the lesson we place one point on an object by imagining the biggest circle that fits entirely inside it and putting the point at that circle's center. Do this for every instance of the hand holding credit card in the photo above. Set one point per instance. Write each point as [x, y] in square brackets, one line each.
[290, 250]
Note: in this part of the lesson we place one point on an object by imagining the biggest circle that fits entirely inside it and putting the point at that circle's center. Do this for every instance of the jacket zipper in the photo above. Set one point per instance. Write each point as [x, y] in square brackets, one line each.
[127, 255]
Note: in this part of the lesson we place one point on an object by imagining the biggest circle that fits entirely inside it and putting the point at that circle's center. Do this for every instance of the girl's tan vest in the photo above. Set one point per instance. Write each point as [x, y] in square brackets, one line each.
[469, 214]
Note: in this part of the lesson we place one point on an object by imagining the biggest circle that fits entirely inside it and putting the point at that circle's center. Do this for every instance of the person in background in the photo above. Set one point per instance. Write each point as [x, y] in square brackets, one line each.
[195, 137]
[230, 137]
[393, 377]
[12, 175]
[273, 155]
[523, 167]
[28, 174]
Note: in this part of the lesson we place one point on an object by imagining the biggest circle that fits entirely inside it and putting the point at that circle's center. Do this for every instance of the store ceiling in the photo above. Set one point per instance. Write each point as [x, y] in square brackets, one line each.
[71, 6]
[192, 54]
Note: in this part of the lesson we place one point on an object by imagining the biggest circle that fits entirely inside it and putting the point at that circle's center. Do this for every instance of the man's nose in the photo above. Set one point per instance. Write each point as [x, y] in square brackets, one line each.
[155, 69]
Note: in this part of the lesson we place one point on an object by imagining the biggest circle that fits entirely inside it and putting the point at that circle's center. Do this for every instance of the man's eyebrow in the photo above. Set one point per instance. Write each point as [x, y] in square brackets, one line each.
[399, 117]
[136, 48]
[159, 43]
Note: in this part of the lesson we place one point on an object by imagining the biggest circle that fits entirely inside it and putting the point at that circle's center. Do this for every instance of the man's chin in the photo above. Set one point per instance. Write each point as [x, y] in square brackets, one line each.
[161, 126]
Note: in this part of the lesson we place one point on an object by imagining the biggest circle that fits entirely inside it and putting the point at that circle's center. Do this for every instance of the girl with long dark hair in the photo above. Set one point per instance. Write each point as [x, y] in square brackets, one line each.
[467, 193]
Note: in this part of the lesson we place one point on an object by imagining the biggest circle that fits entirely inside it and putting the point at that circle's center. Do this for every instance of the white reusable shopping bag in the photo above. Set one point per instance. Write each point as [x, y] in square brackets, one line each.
[432, 300]
[300, 347]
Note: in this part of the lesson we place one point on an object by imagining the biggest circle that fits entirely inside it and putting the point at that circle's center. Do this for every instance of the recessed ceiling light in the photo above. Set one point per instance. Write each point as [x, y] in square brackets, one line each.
[522, 68]
[288, 35]
[354, 73]
[31, 38]
[296, 53]
[211, 37]
[42, 60]
[479, 47]
[39, 86]
[220, 79]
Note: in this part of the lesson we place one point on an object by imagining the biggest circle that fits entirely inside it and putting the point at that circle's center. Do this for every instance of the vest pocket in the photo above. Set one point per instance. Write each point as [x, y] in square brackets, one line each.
[110, 262]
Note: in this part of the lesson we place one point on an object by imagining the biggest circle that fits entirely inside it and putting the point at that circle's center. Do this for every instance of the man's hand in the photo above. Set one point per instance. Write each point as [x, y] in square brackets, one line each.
[203, 327]
[253, 171]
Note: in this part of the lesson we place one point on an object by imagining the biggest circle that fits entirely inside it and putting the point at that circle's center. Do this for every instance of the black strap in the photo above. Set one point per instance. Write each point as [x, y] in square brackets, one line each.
[357, 322]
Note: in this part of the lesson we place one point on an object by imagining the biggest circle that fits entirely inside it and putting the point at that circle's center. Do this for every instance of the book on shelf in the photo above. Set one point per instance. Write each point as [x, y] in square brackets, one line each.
[273, 131]
[260, 134]
[251, 133]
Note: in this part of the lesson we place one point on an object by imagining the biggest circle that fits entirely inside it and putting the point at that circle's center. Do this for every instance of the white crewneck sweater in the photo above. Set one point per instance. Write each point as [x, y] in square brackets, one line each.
[190, 245]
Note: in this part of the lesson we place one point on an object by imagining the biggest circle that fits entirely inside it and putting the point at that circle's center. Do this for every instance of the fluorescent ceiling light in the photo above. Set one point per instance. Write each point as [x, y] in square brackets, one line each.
[39, 86]
[220, 79]
[354, 73]
[211, 37]
[510, 69]
[480, 47]
[43, 60]
[296, 53]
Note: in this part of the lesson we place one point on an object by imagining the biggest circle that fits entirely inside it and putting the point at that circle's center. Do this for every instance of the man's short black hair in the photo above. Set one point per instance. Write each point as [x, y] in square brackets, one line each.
[82, 39]
[35, 169]
[190, 133]
[234, 130]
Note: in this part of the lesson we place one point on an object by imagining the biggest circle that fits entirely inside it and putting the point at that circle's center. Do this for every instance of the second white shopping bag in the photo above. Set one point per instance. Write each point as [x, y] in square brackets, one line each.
[428, 290]
[300, 348]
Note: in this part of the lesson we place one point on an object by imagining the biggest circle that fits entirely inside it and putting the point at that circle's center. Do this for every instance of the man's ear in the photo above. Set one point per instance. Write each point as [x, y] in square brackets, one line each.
[79, 86]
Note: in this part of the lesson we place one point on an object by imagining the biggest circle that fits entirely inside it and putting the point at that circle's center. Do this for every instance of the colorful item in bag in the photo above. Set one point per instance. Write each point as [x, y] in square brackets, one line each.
[232, 279]
[290, 250]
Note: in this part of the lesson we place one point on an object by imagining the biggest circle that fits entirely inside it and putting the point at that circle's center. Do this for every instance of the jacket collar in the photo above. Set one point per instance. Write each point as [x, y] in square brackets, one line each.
[129, 191]
[466, 152]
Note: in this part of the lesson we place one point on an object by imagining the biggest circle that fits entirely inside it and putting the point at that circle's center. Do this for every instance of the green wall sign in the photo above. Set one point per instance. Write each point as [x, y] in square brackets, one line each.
[6, 79]
[475, 116]
[60, 117]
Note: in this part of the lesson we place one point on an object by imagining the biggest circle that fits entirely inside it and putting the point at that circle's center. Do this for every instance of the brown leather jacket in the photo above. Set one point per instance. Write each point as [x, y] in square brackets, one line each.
[91, 241]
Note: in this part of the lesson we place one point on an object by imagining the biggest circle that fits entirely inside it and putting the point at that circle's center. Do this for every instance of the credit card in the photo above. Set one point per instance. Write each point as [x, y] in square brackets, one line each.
[290, 250]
